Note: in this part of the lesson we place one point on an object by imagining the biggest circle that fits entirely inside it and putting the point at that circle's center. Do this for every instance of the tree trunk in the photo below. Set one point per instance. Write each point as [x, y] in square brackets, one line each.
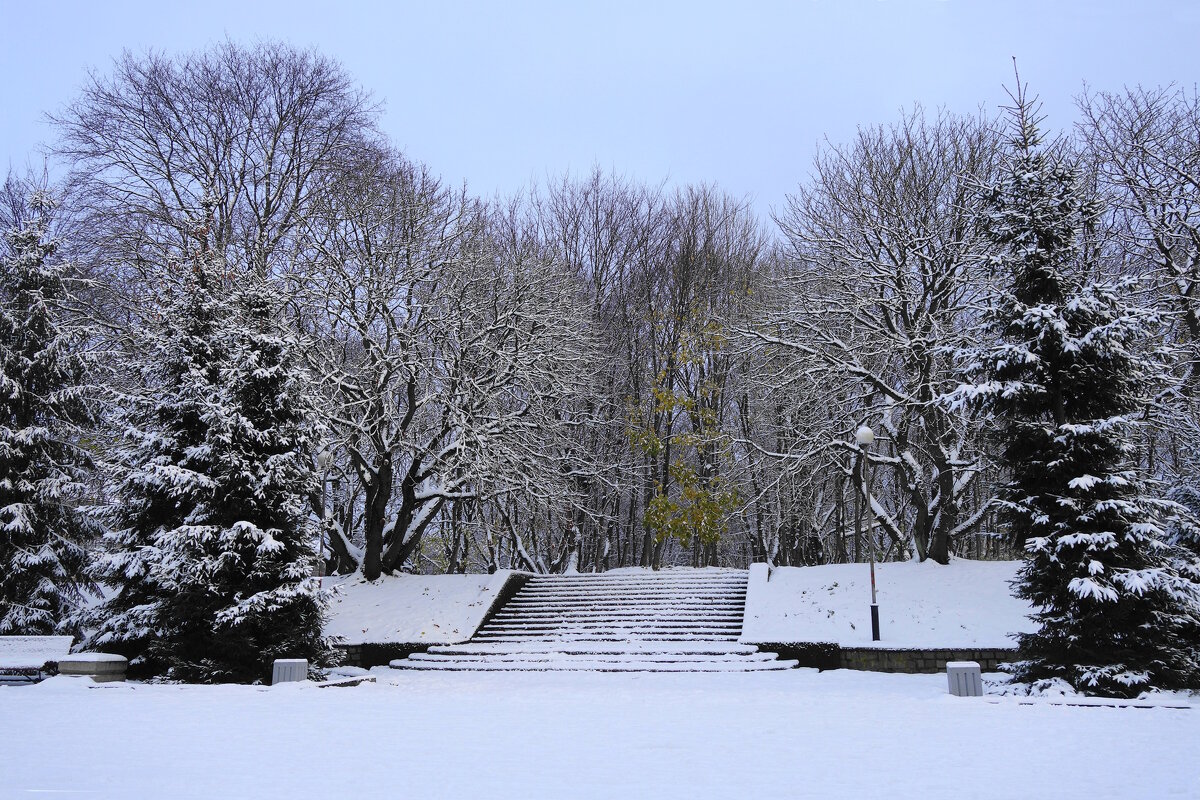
[378, 490]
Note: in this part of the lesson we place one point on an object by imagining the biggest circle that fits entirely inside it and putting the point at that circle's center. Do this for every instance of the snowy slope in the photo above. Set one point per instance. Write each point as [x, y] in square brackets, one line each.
[965, 604]
[411, 609]
[585, 736]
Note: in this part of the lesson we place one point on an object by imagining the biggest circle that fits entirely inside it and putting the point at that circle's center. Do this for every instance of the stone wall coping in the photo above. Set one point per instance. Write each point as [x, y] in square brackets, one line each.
[92, 658]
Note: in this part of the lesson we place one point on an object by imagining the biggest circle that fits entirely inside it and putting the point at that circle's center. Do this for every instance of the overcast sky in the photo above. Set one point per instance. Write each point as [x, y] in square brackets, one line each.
[737, 94]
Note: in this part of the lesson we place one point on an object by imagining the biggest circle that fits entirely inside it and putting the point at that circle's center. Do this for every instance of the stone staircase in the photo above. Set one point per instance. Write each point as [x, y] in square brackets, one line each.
[675, 620]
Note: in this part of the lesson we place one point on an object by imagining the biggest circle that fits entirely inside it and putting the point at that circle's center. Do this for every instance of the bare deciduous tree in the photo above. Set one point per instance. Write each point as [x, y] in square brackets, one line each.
[886, 262]
[250, 131]
[444, 353]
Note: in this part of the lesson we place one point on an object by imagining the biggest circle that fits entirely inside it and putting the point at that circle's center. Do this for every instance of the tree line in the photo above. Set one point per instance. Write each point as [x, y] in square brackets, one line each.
[245, 323]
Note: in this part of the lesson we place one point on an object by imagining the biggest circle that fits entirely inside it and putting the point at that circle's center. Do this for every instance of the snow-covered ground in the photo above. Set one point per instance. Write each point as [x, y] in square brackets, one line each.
[430, 609]
[794, 734]
[965, 604]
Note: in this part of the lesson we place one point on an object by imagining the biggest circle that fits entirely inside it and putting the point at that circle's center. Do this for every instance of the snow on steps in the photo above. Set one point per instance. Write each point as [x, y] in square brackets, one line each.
[678, 620]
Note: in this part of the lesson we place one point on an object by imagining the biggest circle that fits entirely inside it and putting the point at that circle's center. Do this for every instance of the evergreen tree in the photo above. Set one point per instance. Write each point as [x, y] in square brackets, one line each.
[212, 552]
[252, 571]
[1116, 614]
[43, 407]
[1183, 529]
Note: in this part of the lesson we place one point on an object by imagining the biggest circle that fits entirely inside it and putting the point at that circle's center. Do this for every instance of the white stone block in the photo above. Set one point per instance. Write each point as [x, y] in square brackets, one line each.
[100, 667]
[288, 670]
[964, 678]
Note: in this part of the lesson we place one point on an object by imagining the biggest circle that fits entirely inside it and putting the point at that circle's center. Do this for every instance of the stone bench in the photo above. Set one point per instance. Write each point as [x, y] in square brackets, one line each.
[100, 667]
[31, 658]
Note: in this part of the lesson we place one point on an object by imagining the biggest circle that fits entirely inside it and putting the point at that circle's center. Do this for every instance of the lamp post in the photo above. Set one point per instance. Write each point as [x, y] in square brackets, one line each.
[865, 438]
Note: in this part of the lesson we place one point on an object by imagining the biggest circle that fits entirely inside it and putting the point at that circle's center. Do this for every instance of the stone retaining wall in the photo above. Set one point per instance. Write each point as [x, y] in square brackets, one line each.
[822, 655]
[373, 655]
[926, 660]
[827, 655]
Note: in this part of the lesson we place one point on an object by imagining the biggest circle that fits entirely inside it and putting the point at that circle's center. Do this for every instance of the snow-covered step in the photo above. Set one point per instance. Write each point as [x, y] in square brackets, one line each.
[617, 591]
[635, 583]
[684, 592]
[621, 581]
[522, 655]
[641, 621]
[626, 648]
[604, 617]
[661, 595]
[743, 664]
[625, 582]
[520, 623]
[630, 597]
[610, 636]
[666, 624]
[664, 597]
[597, 666]
[661, 576]
[630, 583]
[622, 608]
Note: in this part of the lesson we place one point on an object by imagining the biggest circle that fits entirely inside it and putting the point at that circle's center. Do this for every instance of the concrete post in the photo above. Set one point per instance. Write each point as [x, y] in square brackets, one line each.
[287, 670]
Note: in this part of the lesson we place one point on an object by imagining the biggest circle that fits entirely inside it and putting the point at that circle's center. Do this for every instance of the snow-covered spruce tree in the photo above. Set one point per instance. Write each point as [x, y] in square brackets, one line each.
[43, 409]
[164, 466]
[1183, 529]
[1116, 614]
[212, 551]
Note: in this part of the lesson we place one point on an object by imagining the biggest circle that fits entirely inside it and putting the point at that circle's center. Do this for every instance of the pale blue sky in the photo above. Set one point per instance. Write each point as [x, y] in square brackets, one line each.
[736, 94]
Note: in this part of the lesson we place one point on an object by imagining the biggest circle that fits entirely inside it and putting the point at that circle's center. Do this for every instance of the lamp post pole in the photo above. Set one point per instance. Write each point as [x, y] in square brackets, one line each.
[865, 438]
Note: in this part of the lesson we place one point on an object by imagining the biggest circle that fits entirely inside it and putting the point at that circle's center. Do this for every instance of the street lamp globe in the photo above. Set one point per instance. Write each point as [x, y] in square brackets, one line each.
[864, 435]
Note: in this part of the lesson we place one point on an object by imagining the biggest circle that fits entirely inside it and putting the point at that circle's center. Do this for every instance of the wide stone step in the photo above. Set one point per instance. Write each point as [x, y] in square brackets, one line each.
[572, 665]
[627, 599]
[662, 575]
[632, 600]
[608, 635]
[599, 666]
[651, 582]
[657, 608]
[612, 625]
[628, 622]
[607, 639]
[664, 615]
[623, 636]
[609, 657]
[586, 581]
[609, 585]
[631, 605]
[683, 588]
[634, 588]
[599, 624]
[603, 613]
[625, 648]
